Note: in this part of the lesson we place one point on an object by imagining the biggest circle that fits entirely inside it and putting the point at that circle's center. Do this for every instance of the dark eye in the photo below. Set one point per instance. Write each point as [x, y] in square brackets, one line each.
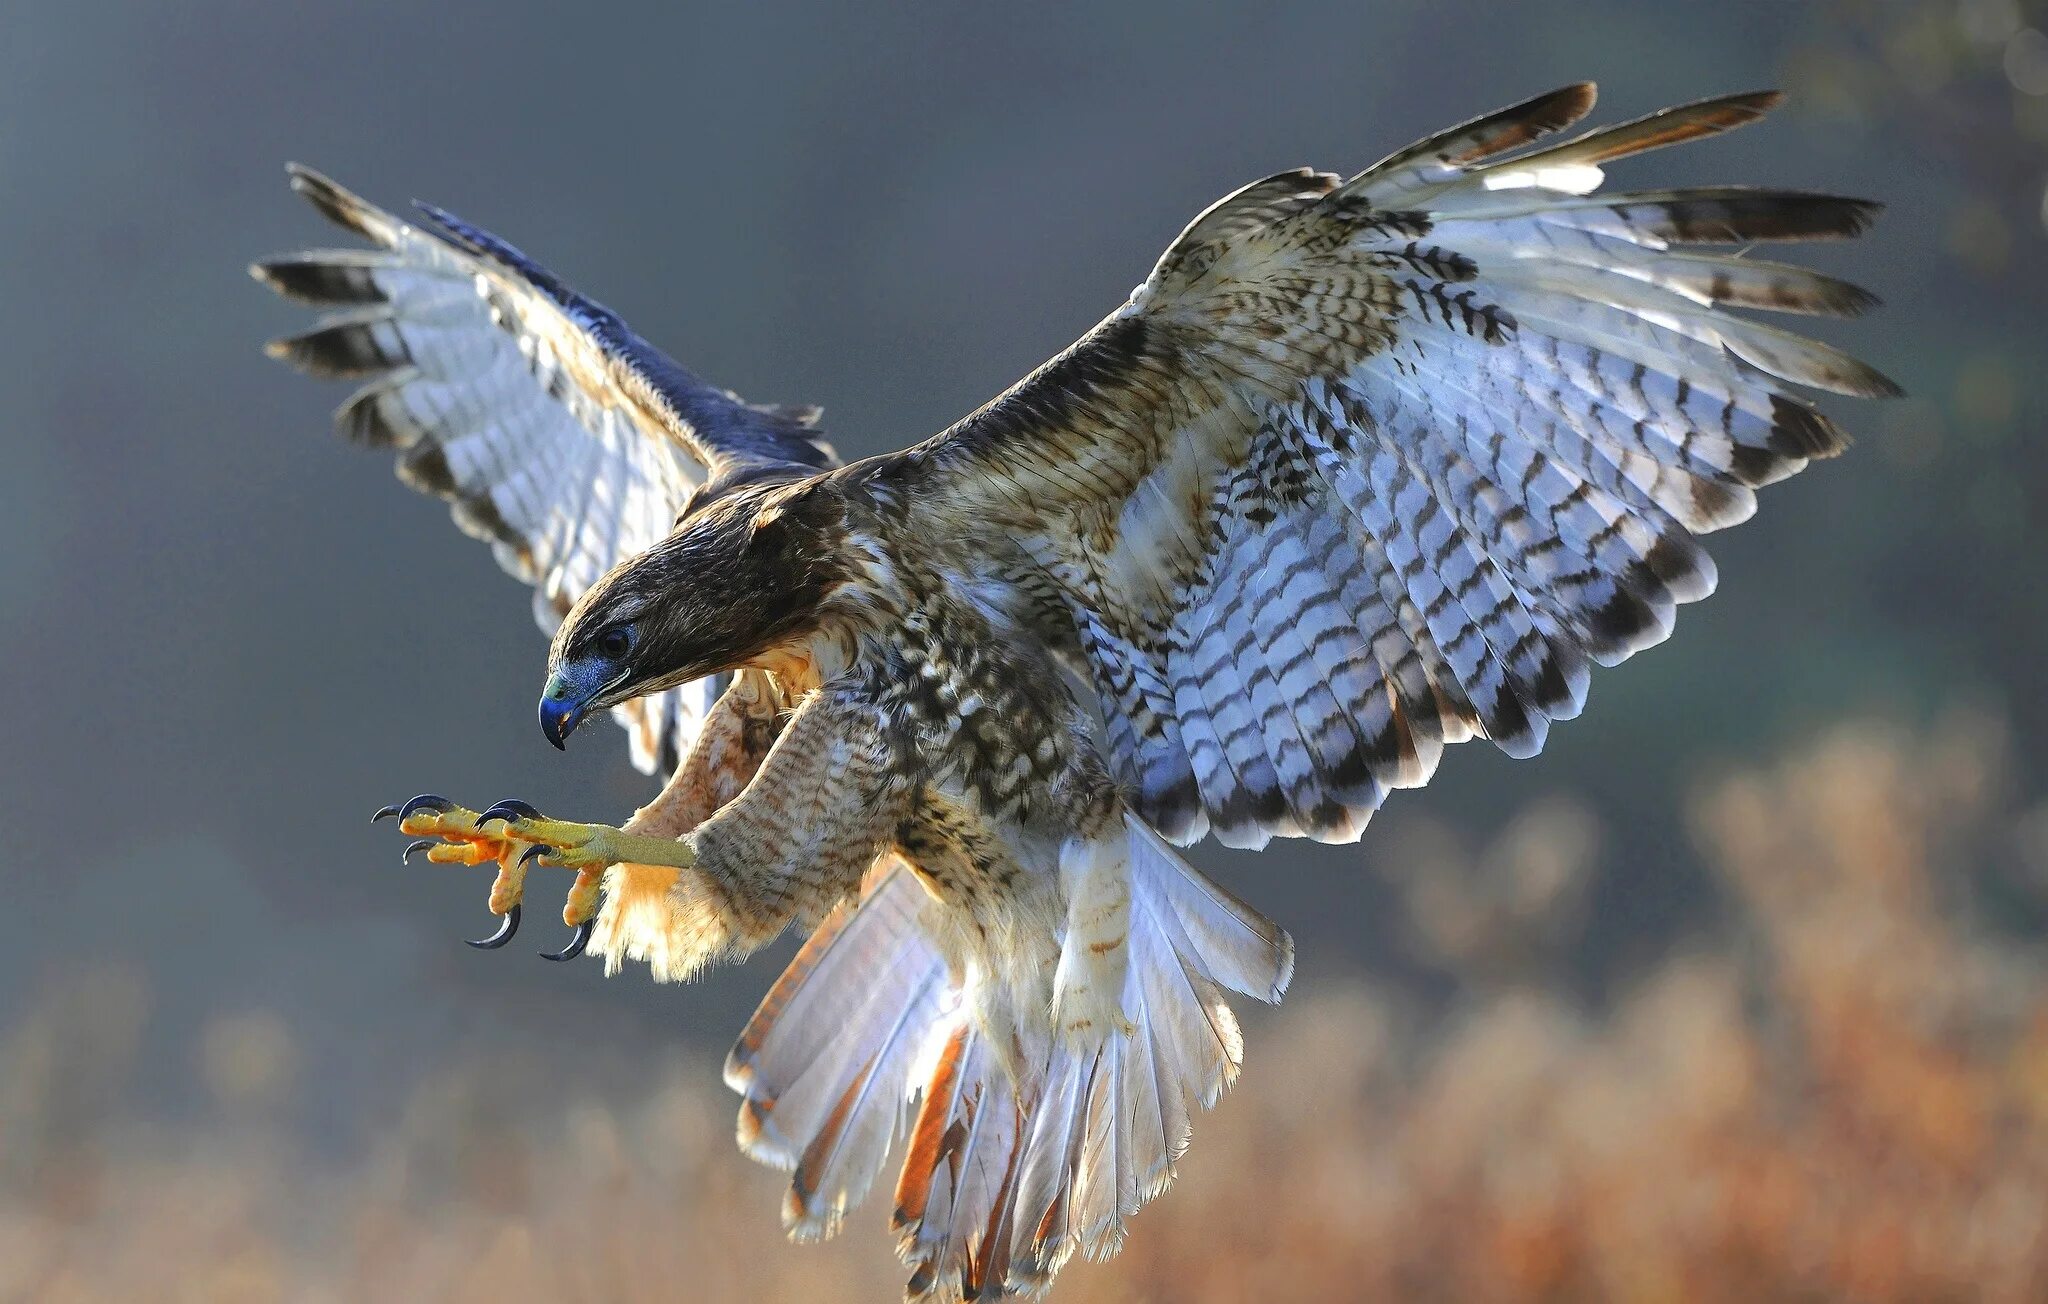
[616, 641]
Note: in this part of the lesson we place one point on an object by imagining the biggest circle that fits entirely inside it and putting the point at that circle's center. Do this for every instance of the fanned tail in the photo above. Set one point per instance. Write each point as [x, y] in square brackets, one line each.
[824, 1066]
[1017, 1155]
[1003, 1182]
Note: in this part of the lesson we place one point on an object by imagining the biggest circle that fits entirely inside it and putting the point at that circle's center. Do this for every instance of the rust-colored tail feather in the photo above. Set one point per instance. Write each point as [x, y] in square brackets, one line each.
[1013, 1160]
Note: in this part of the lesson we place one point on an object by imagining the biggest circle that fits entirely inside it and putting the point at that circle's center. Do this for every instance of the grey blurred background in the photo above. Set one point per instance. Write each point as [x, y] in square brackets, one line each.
[227, 637]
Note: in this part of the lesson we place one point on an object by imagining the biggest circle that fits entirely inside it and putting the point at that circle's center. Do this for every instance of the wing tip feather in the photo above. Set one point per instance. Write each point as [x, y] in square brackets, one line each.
[1858, 214]
[1675, 125]
[1492, 133]
[1797, 430]
[324, 278]
[341, 205]
[1744, 214]
[343, 346]
[1847, 299]
[1530, 120]
[1560, 108]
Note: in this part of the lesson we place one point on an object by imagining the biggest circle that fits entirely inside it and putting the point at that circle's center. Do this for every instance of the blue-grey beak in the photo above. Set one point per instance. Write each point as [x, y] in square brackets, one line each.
[569, 693]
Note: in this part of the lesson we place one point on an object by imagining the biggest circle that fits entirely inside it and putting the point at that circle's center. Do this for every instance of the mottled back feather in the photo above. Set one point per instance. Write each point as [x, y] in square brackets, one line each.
[1367, 467]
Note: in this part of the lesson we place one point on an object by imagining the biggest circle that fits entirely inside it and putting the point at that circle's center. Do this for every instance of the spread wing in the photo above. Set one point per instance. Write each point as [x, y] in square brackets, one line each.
[556, 434]
[1366, 467]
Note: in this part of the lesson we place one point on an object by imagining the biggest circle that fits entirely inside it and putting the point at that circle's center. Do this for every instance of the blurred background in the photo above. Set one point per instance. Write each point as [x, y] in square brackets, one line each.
[1737, 992]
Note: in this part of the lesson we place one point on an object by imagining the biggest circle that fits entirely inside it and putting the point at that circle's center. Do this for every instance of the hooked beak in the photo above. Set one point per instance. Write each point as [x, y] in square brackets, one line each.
[569, 695]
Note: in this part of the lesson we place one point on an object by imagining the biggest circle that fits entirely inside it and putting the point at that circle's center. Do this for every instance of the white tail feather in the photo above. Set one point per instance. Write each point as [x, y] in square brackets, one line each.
[825, 1063]
[1002, 1179]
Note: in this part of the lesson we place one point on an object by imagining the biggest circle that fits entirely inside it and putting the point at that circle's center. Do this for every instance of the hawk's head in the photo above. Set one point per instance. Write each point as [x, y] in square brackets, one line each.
[742, 574]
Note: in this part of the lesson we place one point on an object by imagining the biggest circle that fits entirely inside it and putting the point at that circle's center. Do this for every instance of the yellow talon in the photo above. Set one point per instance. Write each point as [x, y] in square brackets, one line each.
[465, 853]
[514, 834]
[581, 907]
[509, 887]
[455, 822]
[464, 844]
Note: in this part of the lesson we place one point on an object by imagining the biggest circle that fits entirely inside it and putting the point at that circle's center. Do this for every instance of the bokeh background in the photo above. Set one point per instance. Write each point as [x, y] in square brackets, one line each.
[1737, 992]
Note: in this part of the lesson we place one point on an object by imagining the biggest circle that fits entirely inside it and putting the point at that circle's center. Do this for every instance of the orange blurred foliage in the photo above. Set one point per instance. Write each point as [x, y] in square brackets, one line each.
[1845, 1096]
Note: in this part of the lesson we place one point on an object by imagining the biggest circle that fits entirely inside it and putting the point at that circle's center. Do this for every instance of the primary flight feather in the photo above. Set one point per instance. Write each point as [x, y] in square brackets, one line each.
[1364, 467]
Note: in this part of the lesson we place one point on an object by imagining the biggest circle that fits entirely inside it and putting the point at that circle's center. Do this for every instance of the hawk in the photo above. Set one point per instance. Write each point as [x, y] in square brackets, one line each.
[1364, 467]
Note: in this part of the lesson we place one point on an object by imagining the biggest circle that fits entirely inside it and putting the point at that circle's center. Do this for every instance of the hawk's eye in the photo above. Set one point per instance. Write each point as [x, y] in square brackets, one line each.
[616, 641]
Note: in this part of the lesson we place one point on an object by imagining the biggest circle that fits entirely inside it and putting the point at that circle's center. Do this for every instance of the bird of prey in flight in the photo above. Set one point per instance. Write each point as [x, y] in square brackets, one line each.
[1364, 467]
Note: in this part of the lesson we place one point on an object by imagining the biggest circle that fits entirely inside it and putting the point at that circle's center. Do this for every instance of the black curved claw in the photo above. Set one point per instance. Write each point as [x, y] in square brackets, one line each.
[533, 853]
[508, 810]
[425, 801]
[576, 943]
[508, 925]
[405, 857]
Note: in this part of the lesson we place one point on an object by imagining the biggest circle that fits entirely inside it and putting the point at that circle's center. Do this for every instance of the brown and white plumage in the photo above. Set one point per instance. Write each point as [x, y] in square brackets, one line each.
[556, 434]
[1363, 468]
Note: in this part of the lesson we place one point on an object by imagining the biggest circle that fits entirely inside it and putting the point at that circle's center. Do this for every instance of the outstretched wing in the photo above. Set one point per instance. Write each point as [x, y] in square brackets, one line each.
[1366, 467]
[556, 434]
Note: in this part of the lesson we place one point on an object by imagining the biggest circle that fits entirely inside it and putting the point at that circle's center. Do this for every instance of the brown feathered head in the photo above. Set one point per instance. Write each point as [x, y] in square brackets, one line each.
[742, 574]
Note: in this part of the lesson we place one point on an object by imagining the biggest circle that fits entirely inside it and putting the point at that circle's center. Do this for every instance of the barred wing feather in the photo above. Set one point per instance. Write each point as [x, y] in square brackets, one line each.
[1370, 466]
[556, 434]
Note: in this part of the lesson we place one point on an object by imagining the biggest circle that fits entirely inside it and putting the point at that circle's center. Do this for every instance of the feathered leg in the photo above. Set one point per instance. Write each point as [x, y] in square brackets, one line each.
[822, 805]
